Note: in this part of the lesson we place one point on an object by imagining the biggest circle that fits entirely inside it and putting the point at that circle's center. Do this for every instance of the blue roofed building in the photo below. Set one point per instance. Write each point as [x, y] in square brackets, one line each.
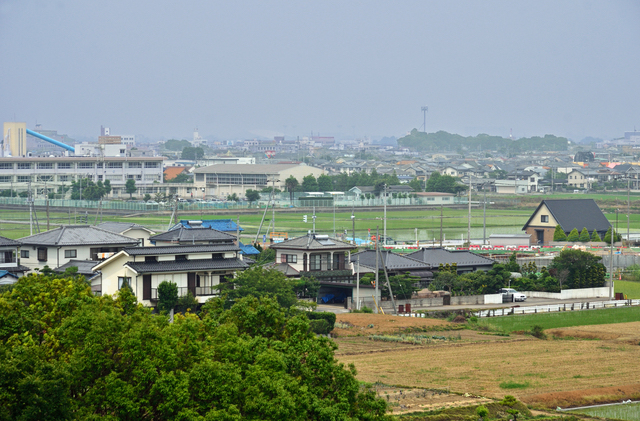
[224, 225]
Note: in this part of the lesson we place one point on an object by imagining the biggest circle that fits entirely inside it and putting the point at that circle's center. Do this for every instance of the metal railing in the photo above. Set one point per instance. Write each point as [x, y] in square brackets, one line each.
[555, 308]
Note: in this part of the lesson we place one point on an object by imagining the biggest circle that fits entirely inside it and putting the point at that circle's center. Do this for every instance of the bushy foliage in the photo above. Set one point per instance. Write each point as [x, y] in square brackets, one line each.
[329, 317]
[595, 237]
[260, 282]
[69, 355]
[584, 236]
[574, 235]
[581, 269]
[344, 182]
[167, 296]
[472, 283]
[607, 236]
[444, 184]
[559, 234]
[512, 265]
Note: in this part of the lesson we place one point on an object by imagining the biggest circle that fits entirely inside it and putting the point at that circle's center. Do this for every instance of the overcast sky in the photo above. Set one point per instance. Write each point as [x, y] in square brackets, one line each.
[242, 69]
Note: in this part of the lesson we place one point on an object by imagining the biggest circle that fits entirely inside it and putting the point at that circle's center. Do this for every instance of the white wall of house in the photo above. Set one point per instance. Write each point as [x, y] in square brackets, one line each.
[56, 256]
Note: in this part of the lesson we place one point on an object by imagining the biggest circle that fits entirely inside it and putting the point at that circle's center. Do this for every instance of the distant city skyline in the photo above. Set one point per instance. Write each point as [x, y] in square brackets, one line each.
[251, 69]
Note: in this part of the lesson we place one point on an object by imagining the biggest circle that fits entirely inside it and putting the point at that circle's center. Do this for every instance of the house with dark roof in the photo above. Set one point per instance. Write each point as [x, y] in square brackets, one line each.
[10, 255]
[395, 264]
[129, 229]
[195, 235]
[569, 214]
[466, 261]
[56, 247]
[195, 269]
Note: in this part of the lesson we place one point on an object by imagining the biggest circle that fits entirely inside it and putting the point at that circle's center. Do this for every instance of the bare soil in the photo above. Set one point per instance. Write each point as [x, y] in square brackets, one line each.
[375, 324]
[547, 373]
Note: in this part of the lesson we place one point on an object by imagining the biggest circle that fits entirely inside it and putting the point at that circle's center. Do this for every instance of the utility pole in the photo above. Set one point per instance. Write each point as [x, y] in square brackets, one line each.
[333, 197]
[469, 222]
[375, 294]
[424, 118]
[385, 215]
[628, 210]
[611, 265]
[358, 284]
[353, 221]
[484, 215]
[273, 208]
[314, 219]
[441, 215]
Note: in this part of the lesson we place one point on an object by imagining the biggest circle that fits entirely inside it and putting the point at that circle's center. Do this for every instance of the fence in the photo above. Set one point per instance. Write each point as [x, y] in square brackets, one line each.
[555, 308]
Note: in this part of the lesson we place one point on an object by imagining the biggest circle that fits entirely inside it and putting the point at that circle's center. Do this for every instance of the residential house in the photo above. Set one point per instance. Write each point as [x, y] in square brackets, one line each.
[466, 261]
[395, 264]
[57, 247]
[569, 214]
[10, 254]
[129, 229]
[199, 235]
[195, 269]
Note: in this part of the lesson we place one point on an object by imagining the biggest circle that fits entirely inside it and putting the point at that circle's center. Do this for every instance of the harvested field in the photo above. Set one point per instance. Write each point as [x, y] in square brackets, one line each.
[358, 324]
[524, 367]
[410, 400]
[586, 397]
[621, 332]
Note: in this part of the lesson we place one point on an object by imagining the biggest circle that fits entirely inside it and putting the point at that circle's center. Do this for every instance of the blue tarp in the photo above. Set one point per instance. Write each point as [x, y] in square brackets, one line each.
[224, 225]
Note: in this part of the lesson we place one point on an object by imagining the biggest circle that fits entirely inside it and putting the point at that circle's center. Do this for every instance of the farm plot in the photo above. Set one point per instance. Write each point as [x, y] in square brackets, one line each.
[520, 367]
[354, 324]
[625, 333]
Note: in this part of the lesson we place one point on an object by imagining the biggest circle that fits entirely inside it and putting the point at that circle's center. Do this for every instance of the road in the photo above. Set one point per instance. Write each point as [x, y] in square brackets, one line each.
[339, 308]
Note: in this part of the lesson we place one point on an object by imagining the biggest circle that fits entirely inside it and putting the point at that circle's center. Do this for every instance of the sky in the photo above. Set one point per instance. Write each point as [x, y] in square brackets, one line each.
[256, 69]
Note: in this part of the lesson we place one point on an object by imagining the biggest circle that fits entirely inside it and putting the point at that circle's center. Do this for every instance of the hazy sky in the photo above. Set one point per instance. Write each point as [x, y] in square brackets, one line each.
[242, 69]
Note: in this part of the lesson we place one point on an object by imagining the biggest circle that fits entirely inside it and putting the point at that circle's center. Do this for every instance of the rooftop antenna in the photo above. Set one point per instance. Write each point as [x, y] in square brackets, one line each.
[424, 118]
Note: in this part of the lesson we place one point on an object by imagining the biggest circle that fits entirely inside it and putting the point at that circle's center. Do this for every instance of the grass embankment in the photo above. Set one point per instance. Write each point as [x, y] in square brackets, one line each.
[629, 288]
[619, 412]
[562, 319]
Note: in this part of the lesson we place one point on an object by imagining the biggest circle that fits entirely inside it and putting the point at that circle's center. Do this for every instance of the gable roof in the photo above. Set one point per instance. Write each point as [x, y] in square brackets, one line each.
[390, 260]
[224, 225]
[85, 267]
[436, 256]
[313, 242]
[186, 265]
[178, 249]
[4, 241]
[574, 213]
[77, 235]
[172, 172]
[121, 227]
[183, 235]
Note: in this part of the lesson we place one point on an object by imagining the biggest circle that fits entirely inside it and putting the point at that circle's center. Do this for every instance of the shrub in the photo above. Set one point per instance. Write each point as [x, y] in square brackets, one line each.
[538, 332]
[329, 317]
[584, 236]
[559, 235]
[319, 326]
[595, 237]
[167, 296]
[366, 309]
[482, 411]
[573, 235]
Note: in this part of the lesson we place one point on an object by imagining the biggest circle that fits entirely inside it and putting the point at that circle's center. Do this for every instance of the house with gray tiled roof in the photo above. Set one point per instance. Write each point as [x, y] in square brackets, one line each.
[195, 269]
[10, 254]
[395, 264]
[192, 235]
[56, 247]
[466, 261]
[129, 229]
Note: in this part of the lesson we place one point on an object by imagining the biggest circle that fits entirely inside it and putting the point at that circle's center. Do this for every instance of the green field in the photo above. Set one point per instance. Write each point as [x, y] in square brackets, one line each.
[562, 319]
[629, 288]
[629, 411]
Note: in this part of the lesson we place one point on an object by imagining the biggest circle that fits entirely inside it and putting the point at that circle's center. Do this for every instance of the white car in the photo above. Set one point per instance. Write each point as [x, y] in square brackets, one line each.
[517, 296]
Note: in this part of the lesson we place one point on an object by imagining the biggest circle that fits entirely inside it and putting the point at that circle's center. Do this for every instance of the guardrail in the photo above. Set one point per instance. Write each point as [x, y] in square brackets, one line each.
[589, 305]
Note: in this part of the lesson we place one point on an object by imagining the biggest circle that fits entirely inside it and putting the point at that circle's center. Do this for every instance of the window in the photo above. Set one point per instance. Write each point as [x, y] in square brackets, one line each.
[122, 150]
[151, 165]
[24, 254]
[70, 254]
[99, 164]
[288, 258]
[114, 165]
[181, 257]
[45, 178]
[6, 165]
[45, 165]
[124, 280]
[544, 218]
[84, 165]
[135, 164]
[64, 165]
[24, 178]
[42, 254]
[24, 165]
[150, 259]
[5, 178]
[63, 178]
[314, 262]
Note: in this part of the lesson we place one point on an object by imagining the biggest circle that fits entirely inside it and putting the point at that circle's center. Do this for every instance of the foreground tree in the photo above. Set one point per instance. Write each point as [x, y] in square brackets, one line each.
[559, 234]
[68, 355]
[574, 235]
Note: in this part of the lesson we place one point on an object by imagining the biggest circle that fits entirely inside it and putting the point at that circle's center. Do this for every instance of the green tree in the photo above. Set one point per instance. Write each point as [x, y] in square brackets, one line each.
[607, 236]
[260, 282]
[130, 187]
[325, 183]
[513, 265]
[233, 198]
[584, 236]
[416, 185]
[595, 237]
[147, 197]
[581, 269]
[167, 296]
[192, 153]
[573, 235]
[252, 195]
[176, 145]
[559, 234]
[291, 183]
[309, 183]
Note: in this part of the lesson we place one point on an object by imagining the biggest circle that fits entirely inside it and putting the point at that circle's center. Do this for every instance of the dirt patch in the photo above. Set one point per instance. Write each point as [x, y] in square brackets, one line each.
[402, 400]
[585, 397]
[620, 332]
[352, 324]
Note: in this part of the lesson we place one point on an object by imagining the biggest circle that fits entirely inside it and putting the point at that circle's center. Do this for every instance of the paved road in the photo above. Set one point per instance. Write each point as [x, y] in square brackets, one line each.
[339, 308]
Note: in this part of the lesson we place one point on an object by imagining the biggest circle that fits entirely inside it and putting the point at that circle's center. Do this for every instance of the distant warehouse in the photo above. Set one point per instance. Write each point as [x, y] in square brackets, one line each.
[225, 179]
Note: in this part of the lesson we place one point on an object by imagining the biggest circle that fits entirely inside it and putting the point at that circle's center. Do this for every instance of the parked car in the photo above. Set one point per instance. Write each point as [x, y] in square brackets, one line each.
[517, 296]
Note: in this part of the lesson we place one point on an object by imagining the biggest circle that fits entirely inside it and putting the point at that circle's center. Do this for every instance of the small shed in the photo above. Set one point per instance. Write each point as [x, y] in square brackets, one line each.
[510, 240]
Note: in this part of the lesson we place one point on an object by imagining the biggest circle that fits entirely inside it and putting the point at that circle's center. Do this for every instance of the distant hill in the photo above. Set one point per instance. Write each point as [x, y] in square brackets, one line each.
[443, 141]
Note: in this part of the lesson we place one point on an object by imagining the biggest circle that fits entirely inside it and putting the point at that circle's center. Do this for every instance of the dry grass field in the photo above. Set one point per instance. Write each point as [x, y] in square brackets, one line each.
[582, 365]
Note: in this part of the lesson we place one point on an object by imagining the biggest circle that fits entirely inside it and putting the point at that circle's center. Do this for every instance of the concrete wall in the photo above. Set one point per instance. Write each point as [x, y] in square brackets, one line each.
[568, 294]
[493, 298]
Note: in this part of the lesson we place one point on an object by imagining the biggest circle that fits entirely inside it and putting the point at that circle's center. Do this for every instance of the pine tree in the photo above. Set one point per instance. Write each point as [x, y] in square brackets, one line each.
[595, 237]
[574, 235]
[584, 235]
[559, 234]
[607, 236]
